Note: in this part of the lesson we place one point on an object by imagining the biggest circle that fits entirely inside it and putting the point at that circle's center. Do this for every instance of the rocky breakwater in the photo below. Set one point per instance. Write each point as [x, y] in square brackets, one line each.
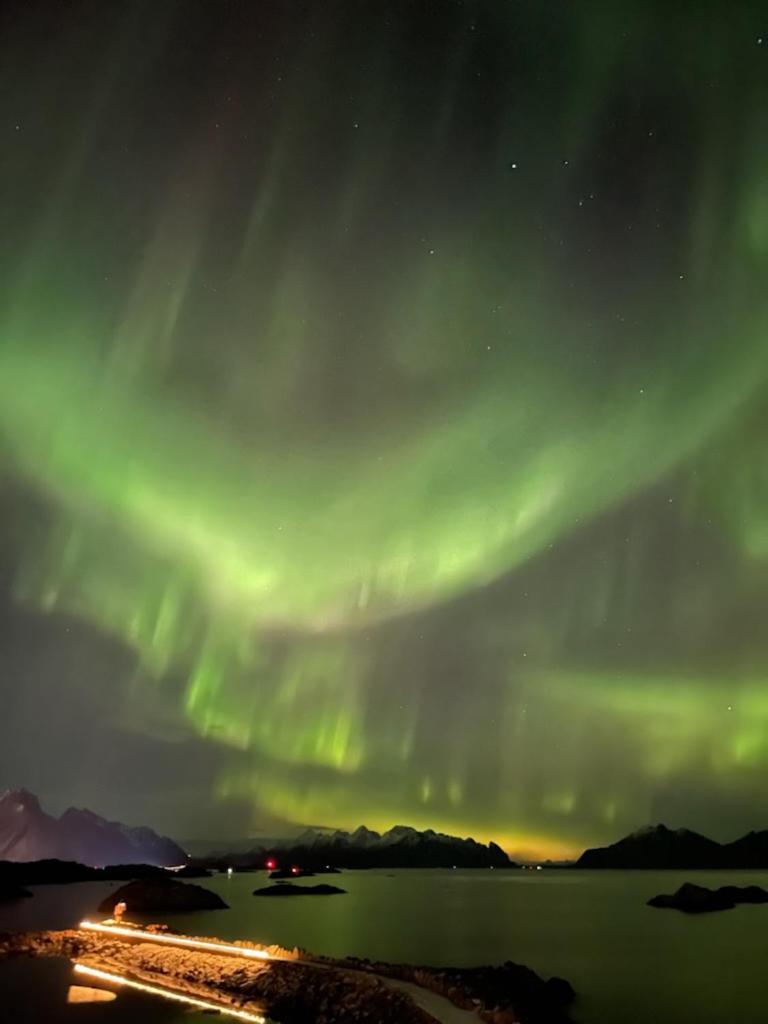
[288, 989]
[293, 987]
[509, 993]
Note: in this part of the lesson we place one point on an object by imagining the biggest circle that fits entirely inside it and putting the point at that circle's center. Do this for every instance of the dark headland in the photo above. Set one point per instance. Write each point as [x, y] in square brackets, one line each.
[660, 848]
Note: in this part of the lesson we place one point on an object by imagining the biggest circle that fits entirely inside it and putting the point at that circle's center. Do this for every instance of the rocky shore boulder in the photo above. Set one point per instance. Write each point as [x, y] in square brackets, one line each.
[696, 899]
[164, 895]
[744, 893]
[509, 993]
[299, 890]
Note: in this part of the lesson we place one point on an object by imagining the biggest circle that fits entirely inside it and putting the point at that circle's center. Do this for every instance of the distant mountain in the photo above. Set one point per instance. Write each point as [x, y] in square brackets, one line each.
[656, 847]
[27, 833]
[751, 851]
[660, 847]
[400, 847]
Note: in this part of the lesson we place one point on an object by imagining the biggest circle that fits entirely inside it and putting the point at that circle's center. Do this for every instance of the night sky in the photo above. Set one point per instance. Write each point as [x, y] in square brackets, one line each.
[383, 420]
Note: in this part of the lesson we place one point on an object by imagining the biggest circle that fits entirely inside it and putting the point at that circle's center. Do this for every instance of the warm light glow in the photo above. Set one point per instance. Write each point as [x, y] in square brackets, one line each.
[271, 865]
[177, 940]
[156, 990]
[78, 994]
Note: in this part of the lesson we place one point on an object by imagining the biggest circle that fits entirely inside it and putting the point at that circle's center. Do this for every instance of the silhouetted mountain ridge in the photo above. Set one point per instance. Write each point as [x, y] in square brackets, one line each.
[658, 847]
[27, 833]
[399, 847]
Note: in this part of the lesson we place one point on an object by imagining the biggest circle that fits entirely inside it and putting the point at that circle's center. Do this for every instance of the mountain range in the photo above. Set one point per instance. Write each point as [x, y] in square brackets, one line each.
[27, 833]
[399, 847]
[659, 847]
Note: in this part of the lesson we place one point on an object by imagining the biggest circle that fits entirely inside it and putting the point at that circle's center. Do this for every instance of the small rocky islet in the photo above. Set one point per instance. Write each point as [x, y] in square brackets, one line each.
[162, 895]
[286, 889]
[697, 899]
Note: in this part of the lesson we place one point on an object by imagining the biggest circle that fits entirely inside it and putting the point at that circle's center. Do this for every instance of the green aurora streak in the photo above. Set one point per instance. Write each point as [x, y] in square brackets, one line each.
[281, 439]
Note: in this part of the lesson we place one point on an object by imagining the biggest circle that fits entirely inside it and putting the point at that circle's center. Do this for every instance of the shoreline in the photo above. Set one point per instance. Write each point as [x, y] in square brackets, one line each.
[291, 986]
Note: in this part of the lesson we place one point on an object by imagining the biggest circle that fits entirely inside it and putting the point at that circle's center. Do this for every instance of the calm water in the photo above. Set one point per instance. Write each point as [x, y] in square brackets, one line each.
[35, 992]
[628, 962]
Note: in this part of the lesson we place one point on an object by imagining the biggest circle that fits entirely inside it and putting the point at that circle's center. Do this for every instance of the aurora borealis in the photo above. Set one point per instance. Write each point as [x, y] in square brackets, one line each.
[382, 414]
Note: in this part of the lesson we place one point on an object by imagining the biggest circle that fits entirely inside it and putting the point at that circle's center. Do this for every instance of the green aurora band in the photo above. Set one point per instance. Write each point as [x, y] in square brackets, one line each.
[430, 459]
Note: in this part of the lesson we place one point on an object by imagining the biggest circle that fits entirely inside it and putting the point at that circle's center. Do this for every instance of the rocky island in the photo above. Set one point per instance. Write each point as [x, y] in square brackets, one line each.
[286, 889]
[162, 895]
[696, 899]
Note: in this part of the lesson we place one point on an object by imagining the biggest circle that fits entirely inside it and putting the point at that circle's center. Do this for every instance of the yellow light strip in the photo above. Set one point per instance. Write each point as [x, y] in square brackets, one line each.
[177, 940]
[165, 993]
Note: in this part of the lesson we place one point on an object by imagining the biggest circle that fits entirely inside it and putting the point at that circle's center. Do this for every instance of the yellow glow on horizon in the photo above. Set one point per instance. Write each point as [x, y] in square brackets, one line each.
[518, 846]
[156, 990]
[531, 848]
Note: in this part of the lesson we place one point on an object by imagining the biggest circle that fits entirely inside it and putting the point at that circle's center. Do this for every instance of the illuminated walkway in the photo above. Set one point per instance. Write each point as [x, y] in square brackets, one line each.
[437, 1006]
[167, 993]
[208, 945]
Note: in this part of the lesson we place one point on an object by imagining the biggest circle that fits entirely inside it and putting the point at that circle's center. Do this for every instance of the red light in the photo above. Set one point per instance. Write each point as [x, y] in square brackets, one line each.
[271, 864]
[294, 870]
